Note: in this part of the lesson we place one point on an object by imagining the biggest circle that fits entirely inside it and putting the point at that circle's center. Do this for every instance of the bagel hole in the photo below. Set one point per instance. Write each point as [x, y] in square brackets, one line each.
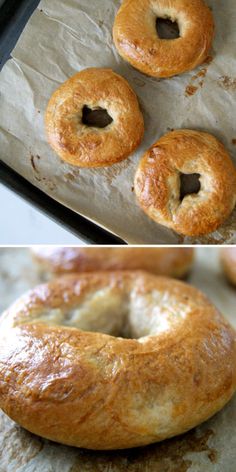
[96, 117]
[167, 29]
[189, 184]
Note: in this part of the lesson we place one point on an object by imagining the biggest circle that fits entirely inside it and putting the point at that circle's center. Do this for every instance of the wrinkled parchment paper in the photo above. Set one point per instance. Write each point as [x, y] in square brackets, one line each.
[65, 36]
[211, 447]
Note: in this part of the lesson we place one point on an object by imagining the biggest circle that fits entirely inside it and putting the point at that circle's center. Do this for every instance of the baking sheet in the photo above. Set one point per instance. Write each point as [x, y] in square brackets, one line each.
[65, 36]
[211, 447]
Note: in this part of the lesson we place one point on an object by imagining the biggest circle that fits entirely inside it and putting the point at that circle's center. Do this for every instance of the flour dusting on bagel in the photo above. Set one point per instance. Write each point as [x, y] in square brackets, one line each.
[228, 263]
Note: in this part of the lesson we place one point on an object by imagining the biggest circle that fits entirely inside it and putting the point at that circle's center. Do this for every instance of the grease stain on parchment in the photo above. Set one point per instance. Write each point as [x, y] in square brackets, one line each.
[139, 82]
[112, 172]
[46, 182]
[190, 90]
[167, 456]
[227, 83]
[197, 80]
[17, 445]
[71, 176]
[33, 159]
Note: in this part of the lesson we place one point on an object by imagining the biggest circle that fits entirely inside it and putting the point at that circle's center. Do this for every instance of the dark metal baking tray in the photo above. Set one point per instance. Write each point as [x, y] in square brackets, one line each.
[14, 15]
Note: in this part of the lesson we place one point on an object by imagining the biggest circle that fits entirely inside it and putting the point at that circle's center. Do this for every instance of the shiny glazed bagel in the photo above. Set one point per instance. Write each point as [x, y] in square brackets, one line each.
[94, 119]
[66, 377]
[187, 182]
[137, 40]
[174, 262]
[228, 262]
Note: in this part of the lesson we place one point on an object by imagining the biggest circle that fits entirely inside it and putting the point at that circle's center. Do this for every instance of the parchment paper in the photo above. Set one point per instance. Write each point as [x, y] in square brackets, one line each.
[211, 447]
[65, 36]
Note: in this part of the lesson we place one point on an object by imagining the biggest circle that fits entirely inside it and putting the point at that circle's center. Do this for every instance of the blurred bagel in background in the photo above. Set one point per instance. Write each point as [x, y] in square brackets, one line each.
[172, 262]
[228, 263]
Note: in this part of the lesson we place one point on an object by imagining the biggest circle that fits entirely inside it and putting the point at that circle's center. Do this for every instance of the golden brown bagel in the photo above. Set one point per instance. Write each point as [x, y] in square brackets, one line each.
[228, 262]
[170, 160]
[86, 145]
[98, 391]
[173, 262]
[137, 41]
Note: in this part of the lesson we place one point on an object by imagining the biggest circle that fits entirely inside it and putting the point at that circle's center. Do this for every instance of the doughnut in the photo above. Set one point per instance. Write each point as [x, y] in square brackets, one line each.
[187, 182]
[173, 262]
[114, 360]
[137, 39]
[94, 119]
[228, 263]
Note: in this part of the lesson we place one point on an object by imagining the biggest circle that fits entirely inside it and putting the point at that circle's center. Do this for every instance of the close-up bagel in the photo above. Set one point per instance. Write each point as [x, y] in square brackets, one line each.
[94, 119]
[187, 182]
[136, 36]
[66, 377]
[228, 263]
[173, 262]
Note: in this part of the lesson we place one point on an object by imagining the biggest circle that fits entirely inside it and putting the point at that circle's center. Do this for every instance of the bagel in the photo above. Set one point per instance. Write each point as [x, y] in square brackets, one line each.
[174, 262]
[66, 377]
[76, 127]
[228, 263]
[137, 40]
[162, 181]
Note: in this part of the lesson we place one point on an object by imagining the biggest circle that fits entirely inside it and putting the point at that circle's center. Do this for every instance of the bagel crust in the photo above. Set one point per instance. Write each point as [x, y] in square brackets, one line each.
[58, 379]
[84, 145]
[228, 262]
[137, 41]
[158, 182]
[173, 262]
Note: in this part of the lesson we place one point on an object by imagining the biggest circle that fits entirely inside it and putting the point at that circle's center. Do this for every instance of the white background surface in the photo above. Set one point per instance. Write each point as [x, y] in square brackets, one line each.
[20, 224]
